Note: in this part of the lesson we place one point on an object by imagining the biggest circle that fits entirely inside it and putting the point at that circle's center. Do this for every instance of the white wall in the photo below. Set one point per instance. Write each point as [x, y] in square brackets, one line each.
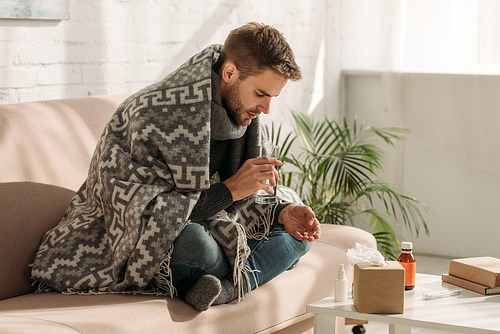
[120, 46]
[451, 161]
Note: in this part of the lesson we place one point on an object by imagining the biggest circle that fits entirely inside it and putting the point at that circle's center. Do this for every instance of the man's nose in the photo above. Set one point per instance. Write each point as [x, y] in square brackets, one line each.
[265, 106]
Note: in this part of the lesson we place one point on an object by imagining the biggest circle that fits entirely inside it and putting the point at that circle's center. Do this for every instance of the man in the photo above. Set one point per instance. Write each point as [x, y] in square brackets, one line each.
[153, 215]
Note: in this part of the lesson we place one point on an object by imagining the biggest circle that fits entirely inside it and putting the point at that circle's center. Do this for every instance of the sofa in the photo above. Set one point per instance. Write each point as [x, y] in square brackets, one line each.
[45, 150]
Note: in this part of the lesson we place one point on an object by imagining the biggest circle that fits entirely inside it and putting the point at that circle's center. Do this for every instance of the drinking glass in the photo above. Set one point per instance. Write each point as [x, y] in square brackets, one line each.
[262, 196]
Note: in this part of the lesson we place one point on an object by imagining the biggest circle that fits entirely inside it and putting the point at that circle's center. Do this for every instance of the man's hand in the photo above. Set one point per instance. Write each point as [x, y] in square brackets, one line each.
[300, 221]
[248, 179]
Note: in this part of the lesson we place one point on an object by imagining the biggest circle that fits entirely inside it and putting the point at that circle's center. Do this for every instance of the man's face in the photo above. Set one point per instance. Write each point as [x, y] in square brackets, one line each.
[246, 99]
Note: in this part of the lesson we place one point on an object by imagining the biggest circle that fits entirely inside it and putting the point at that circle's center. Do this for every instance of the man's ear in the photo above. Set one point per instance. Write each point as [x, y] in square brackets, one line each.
[230, 72]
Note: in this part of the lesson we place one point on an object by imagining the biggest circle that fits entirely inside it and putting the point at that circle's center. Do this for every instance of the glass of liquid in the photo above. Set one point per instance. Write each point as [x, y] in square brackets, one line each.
[262, 196]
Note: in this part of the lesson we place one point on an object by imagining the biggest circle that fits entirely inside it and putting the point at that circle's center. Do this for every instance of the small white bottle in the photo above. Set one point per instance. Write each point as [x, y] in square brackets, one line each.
[341, 286]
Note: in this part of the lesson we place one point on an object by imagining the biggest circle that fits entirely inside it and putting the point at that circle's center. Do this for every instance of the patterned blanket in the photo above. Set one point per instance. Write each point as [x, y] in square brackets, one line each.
[146, 175]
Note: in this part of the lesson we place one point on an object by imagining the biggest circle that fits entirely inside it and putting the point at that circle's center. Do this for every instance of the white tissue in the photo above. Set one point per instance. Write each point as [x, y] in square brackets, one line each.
[362, 253]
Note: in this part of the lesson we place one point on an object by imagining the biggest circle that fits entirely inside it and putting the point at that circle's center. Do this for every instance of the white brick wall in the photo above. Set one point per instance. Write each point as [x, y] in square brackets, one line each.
[120, 46]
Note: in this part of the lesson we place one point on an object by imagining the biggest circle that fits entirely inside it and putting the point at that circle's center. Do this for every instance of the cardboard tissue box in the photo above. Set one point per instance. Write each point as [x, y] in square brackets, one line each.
[379, 289]
[379, 286]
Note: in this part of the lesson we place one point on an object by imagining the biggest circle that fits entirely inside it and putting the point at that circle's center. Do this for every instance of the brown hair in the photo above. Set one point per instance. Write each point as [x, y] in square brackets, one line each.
[254, 47]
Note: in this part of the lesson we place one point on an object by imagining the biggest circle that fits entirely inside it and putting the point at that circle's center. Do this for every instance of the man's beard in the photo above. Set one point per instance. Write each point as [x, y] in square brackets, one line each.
[234, 108]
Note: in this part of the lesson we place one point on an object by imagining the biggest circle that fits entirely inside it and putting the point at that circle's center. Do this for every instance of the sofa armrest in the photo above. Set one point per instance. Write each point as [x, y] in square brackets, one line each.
[27, 211]
[345, 237]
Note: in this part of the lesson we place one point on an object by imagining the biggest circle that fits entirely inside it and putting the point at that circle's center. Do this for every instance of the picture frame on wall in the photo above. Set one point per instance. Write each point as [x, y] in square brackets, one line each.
[34, 9]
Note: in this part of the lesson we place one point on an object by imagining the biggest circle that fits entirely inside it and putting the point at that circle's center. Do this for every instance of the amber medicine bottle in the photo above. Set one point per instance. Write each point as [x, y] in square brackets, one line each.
[407, 260]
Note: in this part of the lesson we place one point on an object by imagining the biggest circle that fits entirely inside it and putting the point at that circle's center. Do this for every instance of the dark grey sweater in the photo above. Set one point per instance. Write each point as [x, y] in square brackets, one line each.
[217, 197]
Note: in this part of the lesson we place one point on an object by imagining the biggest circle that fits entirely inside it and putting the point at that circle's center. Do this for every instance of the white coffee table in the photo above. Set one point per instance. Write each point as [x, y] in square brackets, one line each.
[469, 312]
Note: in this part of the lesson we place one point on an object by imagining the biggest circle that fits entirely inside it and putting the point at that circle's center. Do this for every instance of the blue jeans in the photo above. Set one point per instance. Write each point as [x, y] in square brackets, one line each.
[196, 253]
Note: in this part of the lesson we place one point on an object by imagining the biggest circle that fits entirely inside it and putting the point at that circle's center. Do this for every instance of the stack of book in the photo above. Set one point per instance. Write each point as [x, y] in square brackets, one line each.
[479, 274]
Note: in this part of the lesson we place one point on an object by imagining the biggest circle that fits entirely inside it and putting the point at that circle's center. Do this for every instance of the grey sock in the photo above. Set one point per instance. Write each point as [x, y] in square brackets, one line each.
[204, 292]
[228, 293]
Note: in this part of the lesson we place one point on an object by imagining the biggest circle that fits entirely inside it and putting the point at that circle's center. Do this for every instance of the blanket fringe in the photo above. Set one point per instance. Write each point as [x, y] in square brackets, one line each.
[242, 272]
[239, 262]
[152, 292]
[163, 276]
[259, 231]
[41, 287]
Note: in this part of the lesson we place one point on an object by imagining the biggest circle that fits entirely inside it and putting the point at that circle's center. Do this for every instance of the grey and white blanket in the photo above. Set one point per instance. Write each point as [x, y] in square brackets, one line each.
[146, 175]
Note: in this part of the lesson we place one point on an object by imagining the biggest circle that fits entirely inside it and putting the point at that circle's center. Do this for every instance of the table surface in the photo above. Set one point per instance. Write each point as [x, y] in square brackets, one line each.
[469, 312]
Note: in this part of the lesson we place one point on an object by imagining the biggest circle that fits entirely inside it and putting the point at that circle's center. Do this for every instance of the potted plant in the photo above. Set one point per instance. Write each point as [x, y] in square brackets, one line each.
[336, 174]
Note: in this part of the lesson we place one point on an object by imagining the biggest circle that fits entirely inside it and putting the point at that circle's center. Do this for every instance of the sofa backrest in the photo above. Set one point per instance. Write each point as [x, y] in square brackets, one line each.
[45, 152]
[52, 142]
